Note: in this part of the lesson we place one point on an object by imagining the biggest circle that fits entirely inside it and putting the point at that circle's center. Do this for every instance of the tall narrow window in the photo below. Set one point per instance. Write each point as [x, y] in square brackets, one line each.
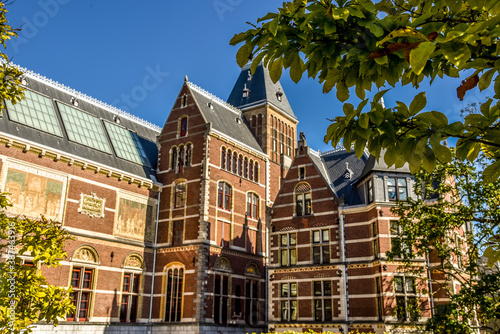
[173, 162]
[228, 160]
[180, 194]
[189, 148]
[180, 159]
[183, 101]
[288, 249]
[184, 126]
[130, 297]
[288, 301]
[235, 162]
[245, 168]
[252, 205]
[275, 144]
[322, 300]
[256, 172]
[221, 297]
[369, 190]
[407, 307]
[303, 202]
[81, 281]
[240, 165]
[223, 158]
[250, 171]
[173, 302]
[224, 196]
[178, 233]
[252, 298]
[321, 246]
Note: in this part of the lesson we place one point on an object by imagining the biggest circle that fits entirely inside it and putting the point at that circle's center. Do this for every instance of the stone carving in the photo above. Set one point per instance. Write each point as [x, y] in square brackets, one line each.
[133, 261]
[134, 219]
[85, 254]
[34, 192]
[222, 264]
[252, 270]
[92, 205]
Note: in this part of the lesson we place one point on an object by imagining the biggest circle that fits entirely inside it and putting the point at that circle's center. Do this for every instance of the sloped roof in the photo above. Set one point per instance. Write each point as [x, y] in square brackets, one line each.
[261, 90]
[335, 165]
[372, 165]
[58, 93]
[225, 118]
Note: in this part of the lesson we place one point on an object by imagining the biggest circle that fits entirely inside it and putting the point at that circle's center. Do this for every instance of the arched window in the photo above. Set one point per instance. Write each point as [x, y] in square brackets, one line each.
[235, 162]
[183, 126]
[223, 158]
[254, 121]
[189, 148]
[173, 298]
[240, 165]
[228, 162]
[180, 194]
[303, 203]
[222, 283]
[245, 168]
[252, 205]
[250, 172]
[131, 287]
[173, 161]
[183, 101]
[224, 196]
[256, 172]
[180, 159]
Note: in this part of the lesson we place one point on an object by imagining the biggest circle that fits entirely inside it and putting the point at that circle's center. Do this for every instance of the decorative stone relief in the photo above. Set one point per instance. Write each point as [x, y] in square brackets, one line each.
[134, 218]
[133, 261]
[85, 254]
[92, 205]
[223, 264]
[252, 270]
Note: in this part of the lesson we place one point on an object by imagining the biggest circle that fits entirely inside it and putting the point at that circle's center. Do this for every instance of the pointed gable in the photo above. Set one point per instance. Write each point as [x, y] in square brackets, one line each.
[261, 90]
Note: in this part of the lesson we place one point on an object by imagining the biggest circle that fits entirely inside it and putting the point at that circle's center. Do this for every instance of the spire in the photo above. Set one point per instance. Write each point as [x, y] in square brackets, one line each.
[258, 89]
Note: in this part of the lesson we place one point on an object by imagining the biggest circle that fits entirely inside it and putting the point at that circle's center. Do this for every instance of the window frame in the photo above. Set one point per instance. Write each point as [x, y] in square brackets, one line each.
[133, 292]
[253, 203]
[288, 250]
[224, 198]
[407, 298]
[397, 188]
[79, 291]
[303, 200]
[320, 247]
[286, 302]
[324, 297]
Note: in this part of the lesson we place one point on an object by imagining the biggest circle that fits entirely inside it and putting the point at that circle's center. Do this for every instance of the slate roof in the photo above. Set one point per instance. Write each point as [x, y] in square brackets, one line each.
[335, 165]
[372, 165]
[146, 132]
[225, 118]
[262, 90]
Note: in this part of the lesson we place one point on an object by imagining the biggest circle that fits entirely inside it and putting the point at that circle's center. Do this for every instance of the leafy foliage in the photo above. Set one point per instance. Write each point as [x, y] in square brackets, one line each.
[359, 43]
[451, 197]
[25, 295]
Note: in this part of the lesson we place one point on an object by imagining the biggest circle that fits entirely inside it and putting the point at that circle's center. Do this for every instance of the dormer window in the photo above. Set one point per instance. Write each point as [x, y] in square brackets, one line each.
[210, 105]
[183, 101]
[249, 78]
[369, 188]
[279, 95]
[246, 92]
[397, 188]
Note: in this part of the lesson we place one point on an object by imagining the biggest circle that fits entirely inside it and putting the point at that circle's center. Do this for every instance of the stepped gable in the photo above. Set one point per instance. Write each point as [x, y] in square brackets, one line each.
[27, 131]
[262, 90]
[225, 118]
[336, 167]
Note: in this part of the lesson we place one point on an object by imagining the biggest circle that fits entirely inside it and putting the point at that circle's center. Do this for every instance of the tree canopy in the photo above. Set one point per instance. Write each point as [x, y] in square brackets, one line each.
[361, 44]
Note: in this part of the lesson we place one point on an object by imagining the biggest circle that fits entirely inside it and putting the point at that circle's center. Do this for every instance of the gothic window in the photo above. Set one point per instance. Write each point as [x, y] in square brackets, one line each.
[180, 159]
[256, 172]
[173, 161]
[240, 165]
[183, 127]
[288, 301]
[189, 149]
[224, 196]
[130, 297]
[223, 158]
[183, 101]
[228, 160]
[288, 249]
[178, 233]
[250, 171]
[245, 168]
[321, 246]
[235, 162]
[173, 298]
[179, 194]
[303, 202]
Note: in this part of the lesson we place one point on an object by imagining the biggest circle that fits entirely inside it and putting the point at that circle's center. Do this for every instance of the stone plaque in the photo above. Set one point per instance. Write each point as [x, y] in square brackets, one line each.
[92, 205]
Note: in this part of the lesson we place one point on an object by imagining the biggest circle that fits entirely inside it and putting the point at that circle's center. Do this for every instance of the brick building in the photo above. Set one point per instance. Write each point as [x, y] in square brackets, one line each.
[171, 224]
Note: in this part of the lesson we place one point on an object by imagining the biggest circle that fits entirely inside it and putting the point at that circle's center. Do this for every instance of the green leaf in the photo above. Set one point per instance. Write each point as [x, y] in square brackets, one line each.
[420, 55]
[238, 38]
[403, 32]
[456, 53]
[273, 26]
[359, 147]
[276, 69]
[360, 92]
[492, 172]
[296, 69]
[375, 29]
[418, 103]
[429, 160]
[256, 61]
[485, 80]
[243, 55]
[363, 121]
[440, 118]
[342, 91]
[441, 152]
[330, 28]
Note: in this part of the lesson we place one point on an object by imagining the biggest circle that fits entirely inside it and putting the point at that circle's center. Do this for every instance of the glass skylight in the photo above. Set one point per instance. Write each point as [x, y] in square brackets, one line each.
[36, 111]
[84, 128]
[126, 144]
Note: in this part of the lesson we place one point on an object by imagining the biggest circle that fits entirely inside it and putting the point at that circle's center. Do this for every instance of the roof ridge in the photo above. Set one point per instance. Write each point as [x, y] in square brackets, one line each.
[215, 98]
[85, 97]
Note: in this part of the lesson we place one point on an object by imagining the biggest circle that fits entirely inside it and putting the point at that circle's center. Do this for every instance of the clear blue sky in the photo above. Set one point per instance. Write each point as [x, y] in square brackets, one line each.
[142, 49]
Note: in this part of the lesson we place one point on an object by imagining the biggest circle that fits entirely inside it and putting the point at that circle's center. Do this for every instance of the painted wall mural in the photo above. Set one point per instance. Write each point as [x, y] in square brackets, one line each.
[134, 218]
[34, 191]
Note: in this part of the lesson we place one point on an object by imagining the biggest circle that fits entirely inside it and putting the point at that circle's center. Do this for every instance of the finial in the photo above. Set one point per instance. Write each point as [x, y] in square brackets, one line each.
[185, 78]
